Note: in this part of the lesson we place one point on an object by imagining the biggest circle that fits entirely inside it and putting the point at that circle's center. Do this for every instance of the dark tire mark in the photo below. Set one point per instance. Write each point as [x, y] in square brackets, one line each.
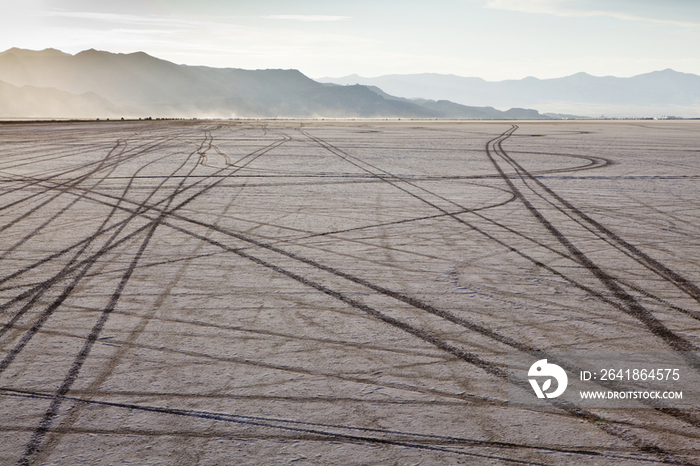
[628, 301]
[164, 212]
[37, 439]
[523, 174]
[68, 269]
[37, 291]
[32, 181]
[629, 304]
[412, 440]
[62, 191]
[652, 264]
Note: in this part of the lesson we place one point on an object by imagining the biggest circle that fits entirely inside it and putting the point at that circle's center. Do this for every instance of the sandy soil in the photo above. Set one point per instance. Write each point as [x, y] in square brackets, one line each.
[219, 292]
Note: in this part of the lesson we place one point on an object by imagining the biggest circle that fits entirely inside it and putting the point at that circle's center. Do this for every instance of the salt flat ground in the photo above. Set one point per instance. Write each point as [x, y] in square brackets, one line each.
[230, 292]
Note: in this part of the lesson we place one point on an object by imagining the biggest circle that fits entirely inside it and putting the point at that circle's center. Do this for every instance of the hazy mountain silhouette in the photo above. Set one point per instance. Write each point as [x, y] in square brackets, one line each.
[137, 84]
[38, 102]
[664, 91]
[452, 110]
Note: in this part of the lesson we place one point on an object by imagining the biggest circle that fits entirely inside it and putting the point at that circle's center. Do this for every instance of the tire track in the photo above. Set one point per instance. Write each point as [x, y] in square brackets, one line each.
[175, 135]
[119, 200]
[574, 254]
[63, 210]
[629, 304]
[650, 263]
[425, 307]
[347, 433]
[82, 268]
[392, 179]
[403, 298]
[107, 370]
[66, 185]
[470, 358]
[385, 291]
[74, 264]
[37, 439]
[40, 289]
[522, 174]
[677, 342]
[260, 245]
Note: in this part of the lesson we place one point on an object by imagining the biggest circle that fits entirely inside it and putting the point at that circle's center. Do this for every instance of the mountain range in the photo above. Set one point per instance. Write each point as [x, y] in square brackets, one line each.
[666, 92]
[51, 83]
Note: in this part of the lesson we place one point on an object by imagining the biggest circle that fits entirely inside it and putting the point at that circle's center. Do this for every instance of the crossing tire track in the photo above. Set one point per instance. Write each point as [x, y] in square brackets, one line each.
[156, 216]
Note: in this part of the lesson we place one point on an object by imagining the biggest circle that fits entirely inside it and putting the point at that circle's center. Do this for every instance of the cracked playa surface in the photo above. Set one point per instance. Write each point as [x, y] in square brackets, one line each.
[230, 292]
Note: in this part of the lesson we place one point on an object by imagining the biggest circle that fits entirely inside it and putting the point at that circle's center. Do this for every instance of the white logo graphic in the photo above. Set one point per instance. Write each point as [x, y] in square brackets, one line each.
[542, 369]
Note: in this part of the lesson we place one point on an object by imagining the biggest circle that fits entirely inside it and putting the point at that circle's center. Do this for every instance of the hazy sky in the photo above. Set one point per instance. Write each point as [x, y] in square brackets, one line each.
[493, 39]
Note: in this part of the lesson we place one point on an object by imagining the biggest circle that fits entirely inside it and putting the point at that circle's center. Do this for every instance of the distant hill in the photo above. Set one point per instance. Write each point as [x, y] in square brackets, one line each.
[452, 110]
[652, 94]
[101, 83]
[35, 102]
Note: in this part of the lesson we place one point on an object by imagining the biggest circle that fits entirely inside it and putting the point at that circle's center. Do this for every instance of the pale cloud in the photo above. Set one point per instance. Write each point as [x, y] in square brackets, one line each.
[308, 17]
[551, 7]
[569, 8]
[150, 20]
[148, 32]
[206, 33]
